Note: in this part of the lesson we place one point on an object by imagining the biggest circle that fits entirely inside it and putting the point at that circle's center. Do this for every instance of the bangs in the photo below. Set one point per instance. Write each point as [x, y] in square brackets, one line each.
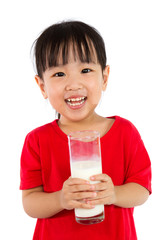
[53, 46]
[82, 49]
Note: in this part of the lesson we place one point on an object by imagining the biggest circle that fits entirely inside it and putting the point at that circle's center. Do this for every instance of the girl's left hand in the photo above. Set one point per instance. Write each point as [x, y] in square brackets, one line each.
[105, 190]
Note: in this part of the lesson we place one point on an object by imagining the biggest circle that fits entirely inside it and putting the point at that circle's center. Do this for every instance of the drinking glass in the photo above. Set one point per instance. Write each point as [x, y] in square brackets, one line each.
[85, 161]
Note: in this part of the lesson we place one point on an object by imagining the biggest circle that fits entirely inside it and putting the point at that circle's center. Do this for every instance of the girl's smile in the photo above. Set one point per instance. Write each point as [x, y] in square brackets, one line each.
[76, 102]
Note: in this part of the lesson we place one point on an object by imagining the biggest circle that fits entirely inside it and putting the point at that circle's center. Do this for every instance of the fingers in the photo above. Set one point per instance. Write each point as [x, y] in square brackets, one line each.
[104, 182]
[73, 193]
[105, 197]
[81, 188]
[74, 181]
[105, 201]
[82, 204]
[82, 195]
[105, 190]
[78, 185]
[100, 177]
[79, 193]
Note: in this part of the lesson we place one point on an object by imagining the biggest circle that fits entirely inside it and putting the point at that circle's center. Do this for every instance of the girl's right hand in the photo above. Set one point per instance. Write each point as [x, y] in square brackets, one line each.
[76, 192]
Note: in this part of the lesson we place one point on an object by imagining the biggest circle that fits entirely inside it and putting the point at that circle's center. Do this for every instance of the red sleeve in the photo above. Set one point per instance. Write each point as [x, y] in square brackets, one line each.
[138, 165]
[30, 171]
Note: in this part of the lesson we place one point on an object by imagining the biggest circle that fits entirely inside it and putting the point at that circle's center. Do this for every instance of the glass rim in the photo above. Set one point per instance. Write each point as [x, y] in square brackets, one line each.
[85, 134]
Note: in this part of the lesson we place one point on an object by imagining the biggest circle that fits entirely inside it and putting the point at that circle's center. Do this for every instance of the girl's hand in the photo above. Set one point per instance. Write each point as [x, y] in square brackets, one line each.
[74, 193]
[105, 190]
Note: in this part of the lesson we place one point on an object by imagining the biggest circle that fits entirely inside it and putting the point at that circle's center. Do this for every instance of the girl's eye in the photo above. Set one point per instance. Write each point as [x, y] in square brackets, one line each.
[86, 70]
[59, 74]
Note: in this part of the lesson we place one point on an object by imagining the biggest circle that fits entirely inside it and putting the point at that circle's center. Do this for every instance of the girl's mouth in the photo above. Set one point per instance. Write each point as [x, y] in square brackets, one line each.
[75, 102]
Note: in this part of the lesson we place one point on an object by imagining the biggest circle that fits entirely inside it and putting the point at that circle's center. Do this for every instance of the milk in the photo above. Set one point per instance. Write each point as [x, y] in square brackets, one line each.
[85, 169]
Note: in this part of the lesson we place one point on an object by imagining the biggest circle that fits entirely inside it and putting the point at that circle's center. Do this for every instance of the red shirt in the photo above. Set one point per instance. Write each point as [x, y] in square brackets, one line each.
[45, 161]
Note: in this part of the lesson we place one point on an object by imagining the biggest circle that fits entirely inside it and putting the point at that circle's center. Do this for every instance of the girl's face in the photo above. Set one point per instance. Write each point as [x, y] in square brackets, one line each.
[74, 90]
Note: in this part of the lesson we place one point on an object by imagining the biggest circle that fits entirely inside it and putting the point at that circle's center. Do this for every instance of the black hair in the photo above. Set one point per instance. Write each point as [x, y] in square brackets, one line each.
[54, 43]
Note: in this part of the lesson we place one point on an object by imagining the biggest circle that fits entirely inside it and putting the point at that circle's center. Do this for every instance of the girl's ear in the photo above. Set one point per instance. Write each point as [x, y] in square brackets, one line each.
[106, 72]
[41, 85]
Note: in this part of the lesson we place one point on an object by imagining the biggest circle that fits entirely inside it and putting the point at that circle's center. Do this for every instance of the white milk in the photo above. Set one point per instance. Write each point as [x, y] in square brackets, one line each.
[85, 169]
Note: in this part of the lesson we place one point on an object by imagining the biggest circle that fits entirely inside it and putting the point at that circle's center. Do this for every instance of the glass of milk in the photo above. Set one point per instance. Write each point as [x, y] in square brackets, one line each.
[85, 161]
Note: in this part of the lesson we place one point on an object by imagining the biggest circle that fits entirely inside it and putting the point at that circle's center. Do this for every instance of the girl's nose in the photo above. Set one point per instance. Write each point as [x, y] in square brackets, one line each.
[73, 84]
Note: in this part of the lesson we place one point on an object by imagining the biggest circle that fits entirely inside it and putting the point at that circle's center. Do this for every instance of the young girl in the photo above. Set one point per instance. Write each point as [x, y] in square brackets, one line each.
[72, 73]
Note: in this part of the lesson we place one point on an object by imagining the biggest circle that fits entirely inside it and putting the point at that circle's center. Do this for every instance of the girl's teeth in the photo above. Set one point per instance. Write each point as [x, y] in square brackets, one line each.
[75, 99]
[75, 104]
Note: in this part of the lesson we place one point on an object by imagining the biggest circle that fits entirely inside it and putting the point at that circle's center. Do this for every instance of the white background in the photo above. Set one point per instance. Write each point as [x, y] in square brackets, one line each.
[131, 33]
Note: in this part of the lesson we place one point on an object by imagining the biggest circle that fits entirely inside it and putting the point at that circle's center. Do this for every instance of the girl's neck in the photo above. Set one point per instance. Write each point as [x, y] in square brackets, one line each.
[94, 122]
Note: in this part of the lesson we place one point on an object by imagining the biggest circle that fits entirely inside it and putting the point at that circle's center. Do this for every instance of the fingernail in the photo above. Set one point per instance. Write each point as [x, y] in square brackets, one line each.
[92, 178]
